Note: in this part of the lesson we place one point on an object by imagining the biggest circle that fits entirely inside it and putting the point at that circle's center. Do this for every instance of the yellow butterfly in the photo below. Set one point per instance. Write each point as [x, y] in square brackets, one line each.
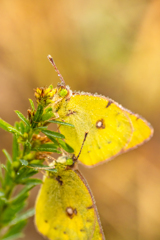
[112, 129]
[65, 207]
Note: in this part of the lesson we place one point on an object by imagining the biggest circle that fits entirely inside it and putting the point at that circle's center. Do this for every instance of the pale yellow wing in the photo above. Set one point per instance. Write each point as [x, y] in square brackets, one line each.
[65, 209]
[143, 131]
[110, 128]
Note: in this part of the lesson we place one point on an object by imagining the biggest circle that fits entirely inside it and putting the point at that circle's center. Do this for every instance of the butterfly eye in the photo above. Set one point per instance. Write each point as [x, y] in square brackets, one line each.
[63, 92]
[69, 161]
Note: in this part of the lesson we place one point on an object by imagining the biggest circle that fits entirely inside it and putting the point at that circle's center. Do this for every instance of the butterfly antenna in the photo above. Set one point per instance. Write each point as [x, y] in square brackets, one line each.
[56, 69]
[85, 136]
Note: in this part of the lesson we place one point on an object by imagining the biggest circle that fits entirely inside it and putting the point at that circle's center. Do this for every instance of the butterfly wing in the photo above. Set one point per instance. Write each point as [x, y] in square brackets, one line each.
[64, 209]
[112, 129]
[143, 131]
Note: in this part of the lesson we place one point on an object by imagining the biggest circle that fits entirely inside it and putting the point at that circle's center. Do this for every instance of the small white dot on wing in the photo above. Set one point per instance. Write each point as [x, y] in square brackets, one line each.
[69, 210]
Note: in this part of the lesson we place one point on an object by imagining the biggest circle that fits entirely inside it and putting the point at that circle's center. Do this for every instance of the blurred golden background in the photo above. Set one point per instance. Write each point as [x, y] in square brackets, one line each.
[110, 47]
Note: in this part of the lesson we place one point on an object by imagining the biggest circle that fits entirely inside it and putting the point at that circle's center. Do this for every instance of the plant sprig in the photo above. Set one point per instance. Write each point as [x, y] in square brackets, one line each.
[31, 141]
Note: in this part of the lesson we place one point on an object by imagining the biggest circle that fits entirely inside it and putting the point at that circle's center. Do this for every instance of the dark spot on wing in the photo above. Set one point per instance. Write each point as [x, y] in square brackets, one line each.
[100, 124]
[70, 112]
[88, 220]
[55, 228]
[109, 141]
[90, 207]
[64, 232]
[46, 221]
[82, 230]
[75, 211]
[71, 212]
[59, 179]
[109, 103]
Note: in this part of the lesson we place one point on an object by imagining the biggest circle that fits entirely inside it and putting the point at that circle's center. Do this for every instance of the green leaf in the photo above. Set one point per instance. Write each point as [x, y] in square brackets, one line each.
[19, 198]
[7, 177]
[23, 216]
[61, 123]
[32, 104]
[3, 200]
[7, 155]
[41, 128]
[7, 180]
[28, 181]
[4, 125]
[1, 194]
[22, 117]
[24, 162]
[14, 131]
[36, 166]
[9, 128]
[4, 167]
[22, 127]
[30, 173]
[15, 148]
[49, 133]
[65, 146]
[16, 125]
[37, 161]
[13, 236]
[14, 232]
[43, 167]
[24, 173]
[49, 109]
[48, 147]
[54, 141]
[11, 211]
[47, 116]
[27, 147]
[52, 170]
[22, 194]
[37, 116]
